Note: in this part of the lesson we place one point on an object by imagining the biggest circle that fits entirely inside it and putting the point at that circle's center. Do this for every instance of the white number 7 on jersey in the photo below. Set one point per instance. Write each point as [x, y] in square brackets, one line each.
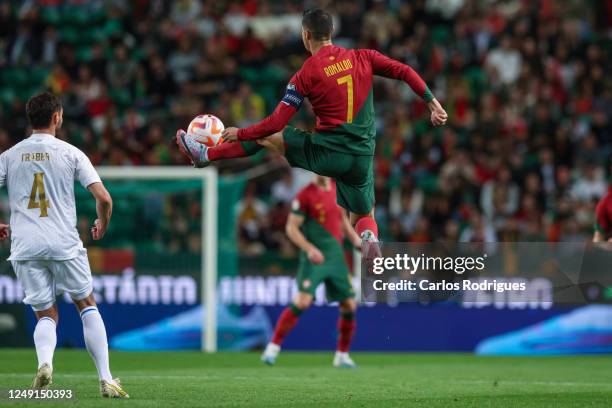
[38, 187]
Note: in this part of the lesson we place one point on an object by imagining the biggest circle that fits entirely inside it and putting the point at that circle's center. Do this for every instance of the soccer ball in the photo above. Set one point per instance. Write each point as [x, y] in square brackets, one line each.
[206, 129]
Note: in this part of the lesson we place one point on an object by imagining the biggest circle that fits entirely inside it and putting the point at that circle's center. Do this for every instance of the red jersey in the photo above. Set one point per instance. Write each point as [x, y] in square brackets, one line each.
[338, 84]
[323, 217]
[603, 214]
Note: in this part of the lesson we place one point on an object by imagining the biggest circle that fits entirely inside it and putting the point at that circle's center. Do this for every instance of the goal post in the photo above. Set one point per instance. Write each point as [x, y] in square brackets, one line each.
[209, 224]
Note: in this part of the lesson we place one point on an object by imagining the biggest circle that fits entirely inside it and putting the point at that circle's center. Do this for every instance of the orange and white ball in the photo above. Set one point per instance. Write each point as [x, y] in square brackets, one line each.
[206, 129]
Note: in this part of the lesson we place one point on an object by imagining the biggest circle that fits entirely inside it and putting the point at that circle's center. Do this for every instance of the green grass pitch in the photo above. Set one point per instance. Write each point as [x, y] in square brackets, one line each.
[190, 379]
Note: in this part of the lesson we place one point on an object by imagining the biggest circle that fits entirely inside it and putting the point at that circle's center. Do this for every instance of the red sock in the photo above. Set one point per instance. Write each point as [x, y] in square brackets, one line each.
[233, 150]
[366, 223]
[346, 329]
[285, 324]
[226, 151]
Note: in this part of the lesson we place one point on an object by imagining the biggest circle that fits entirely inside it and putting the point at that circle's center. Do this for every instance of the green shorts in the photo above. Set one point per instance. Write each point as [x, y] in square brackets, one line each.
[354, 174]
[333, 272]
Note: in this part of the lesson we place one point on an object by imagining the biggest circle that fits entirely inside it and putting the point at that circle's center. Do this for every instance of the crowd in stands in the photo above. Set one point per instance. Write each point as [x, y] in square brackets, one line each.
[525, 154]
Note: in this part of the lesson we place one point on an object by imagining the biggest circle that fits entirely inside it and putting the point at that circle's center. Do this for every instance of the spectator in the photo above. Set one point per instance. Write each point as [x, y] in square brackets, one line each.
[185, 12]
[182, 61]
[285, 189]
[406, 205]
[504, 62]
[121, 70]
[479, 230]
[590, 185]
[251, 215]
[500, 196]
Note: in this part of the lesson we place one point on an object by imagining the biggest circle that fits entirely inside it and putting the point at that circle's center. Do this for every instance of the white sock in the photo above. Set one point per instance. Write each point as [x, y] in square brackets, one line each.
[94, 333]
[273, 349]
[45, 340]
[368, 235]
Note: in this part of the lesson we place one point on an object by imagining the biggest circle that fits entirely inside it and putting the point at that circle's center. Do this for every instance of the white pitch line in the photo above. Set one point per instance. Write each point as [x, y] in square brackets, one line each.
[127, 375]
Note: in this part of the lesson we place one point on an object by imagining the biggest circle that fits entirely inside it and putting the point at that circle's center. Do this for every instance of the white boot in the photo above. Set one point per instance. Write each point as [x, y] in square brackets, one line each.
[343, 360]
[370, 246]
[270, 353]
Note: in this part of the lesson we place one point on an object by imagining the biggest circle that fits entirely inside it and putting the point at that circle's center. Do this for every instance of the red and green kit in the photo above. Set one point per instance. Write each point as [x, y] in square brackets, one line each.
[338, 84]
[323, 228]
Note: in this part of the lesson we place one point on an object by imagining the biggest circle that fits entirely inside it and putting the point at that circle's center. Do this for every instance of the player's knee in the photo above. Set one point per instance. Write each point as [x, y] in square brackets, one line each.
[50, 312]
[303, 304]
[348, 306]
[356, 217]
[274, 142]
[302, 301]
[85, 302]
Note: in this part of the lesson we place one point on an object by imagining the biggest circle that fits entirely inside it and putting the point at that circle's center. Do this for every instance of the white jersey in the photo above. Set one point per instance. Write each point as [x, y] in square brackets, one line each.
[39, 173]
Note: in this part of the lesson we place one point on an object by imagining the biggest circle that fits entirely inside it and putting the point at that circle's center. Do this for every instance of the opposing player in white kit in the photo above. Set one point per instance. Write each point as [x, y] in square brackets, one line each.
[46, 252]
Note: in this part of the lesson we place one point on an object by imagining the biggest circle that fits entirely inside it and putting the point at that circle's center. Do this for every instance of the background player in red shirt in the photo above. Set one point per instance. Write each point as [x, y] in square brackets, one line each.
[318, 226]
[603, 218]
[338, 84]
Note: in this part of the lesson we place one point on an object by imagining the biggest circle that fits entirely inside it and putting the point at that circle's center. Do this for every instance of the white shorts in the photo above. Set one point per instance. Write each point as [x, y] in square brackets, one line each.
[44, 280]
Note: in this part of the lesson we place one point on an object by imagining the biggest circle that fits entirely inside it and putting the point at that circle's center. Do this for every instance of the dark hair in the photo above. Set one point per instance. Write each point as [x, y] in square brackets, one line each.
[40, 109]
[319, 23]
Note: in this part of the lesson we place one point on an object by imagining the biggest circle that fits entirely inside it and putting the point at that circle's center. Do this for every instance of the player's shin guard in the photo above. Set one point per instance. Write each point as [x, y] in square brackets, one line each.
[346, 329]
[94, 333]
[45, 340]
[286, 322]
[233, 150]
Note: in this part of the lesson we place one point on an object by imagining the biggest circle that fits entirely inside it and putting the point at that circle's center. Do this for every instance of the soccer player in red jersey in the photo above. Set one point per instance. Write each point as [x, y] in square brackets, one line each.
[318, 226]
[603, 218]
[338, 84]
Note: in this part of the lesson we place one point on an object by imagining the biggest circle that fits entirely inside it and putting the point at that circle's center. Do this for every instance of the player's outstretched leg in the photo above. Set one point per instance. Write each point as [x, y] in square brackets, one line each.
[201, 155]
[346, 329]
[286, 322]
[45, 340]
[96, 342]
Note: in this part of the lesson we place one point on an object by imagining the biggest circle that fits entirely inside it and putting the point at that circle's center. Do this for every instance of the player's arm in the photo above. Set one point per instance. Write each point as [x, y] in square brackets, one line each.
[286, 108]
[349, 231]
[87, 175]
[601, 221]
[599, 235]
[390, 68]
[104, 209]
[4, 231]
[4, 228]
[268, 126]
[292, 228]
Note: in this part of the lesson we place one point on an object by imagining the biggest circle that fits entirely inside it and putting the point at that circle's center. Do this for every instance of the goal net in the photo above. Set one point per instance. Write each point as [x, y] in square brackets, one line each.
[165, 225]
